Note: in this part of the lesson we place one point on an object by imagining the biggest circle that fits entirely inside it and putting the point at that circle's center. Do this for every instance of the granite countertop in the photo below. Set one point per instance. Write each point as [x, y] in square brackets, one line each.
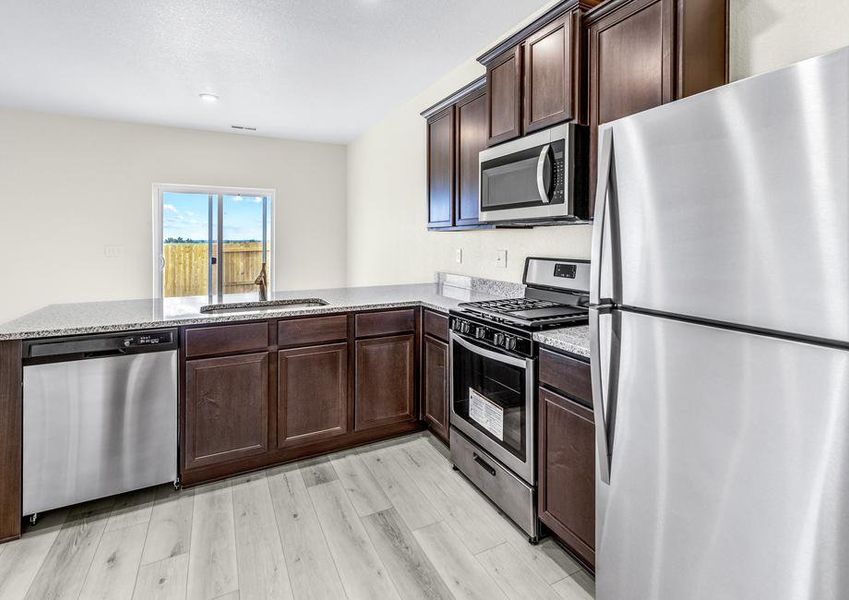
[574, 340]
[125, 315]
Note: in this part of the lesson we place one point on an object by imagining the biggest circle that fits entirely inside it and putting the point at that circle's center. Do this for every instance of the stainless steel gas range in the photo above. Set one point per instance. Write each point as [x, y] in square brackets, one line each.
[494, 382]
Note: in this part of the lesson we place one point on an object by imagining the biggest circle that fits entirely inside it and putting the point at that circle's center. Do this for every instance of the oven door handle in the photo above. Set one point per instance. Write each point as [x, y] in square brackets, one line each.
[497, 356]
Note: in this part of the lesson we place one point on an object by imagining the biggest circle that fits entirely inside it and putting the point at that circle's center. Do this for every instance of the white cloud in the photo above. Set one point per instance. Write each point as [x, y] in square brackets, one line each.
[170, 208]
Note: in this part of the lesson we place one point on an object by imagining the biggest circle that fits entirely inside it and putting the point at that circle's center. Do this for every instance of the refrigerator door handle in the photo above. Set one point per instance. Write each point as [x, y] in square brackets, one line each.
[604, 392]
[601, 217]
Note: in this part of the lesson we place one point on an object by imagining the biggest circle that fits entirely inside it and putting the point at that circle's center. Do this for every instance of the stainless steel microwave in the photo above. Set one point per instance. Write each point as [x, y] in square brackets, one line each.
[536, 178]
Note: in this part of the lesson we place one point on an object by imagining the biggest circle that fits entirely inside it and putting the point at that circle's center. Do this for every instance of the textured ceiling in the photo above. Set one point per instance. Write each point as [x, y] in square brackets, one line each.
[304, 69]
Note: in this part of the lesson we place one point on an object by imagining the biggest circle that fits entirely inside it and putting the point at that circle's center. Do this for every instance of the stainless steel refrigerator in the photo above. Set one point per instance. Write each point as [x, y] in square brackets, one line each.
[720, 343]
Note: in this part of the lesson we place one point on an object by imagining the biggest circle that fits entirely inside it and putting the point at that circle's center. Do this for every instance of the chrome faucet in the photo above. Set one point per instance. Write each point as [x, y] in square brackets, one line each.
[262, 282]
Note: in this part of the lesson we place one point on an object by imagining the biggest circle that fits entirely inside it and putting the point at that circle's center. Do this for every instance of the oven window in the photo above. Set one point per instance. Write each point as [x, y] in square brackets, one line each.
[491, 396]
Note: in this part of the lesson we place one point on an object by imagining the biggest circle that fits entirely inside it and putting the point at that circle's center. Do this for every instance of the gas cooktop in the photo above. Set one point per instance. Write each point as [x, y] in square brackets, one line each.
[530, 313]
[556, 293]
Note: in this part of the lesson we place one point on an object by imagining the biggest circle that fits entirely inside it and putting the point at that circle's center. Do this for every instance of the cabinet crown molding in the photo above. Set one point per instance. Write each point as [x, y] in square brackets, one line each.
[547, 17]
[477, 84]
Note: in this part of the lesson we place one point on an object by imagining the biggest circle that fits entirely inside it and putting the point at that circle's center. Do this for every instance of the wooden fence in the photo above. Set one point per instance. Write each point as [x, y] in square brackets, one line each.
[186, 266]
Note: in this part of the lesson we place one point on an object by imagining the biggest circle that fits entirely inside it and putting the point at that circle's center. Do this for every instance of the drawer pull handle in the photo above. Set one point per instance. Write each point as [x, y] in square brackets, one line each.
[486, 466]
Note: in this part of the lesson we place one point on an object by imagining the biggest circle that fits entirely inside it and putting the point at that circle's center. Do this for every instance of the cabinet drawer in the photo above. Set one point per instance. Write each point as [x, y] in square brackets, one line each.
[303, 332]
[436, 325]
[386, 323]
[224, 339]
[566, 374]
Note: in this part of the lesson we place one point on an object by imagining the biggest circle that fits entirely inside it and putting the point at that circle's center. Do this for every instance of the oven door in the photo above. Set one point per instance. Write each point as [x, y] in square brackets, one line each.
[492, 402]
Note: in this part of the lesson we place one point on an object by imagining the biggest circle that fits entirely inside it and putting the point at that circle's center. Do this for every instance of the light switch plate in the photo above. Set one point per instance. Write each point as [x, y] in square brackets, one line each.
[458, 256]
[501, 258]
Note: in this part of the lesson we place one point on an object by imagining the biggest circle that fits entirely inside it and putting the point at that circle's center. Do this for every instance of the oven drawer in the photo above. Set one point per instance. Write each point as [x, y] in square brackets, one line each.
[512, 495]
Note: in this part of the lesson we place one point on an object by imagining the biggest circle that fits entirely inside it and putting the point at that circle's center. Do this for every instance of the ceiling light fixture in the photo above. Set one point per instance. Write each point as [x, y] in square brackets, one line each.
[206, 97]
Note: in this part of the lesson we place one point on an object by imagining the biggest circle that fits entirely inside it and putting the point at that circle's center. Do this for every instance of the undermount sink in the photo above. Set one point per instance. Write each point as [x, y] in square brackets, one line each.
[260, 306]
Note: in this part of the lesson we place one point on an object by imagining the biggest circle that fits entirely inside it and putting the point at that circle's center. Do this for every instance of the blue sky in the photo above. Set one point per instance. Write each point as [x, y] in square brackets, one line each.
[186, 216]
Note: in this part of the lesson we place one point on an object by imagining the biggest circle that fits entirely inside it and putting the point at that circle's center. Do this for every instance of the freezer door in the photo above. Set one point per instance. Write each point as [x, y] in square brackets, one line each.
[733, 205]
[730, 467]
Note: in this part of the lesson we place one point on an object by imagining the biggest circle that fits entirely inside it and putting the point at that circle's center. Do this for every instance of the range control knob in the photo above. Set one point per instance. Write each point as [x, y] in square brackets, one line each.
[127, 342]
[456, 325]
[480, 333]
[465, 327]
[498, 339]
[510, 342]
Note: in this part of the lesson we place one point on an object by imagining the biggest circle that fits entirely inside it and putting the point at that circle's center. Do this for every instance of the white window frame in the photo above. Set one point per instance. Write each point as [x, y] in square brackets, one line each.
[160, 189]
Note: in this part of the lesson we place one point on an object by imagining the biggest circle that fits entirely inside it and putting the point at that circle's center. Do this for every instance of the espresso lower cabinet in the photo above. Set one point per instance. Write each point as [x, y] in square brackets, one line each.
[435, 391]
[312, 394]
[226, 409]
[566, 452]
[567, 472]
[385, 381]
[320, 384]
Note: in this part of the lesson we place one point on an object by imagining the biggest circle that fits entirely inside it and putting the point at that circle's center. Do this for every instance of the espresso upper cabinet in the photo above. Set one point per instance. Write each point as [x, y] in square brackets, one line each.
[644, 53]
[504, 100]
[440, 169]
[456, 131]
[471, 139]
[552, 73]
[535, 78]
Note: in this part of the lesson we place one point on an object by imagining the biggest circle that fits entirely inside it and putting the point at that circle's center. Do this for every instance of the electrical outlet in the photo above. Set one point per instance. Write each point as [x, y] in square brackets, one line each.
[113, 251]
[458, 256]
[501, 258]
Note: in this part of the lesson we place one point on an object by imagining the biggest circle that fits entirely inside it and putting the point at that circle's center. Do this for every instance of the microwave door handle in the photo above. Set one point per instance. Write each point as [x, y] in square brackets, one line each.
[543, 165]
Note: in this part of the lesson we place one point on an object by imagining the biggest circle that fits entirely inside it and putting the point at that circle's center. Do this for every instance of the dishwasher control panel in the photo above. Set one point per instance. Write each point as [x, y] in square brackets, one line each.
[148, 339]
[99, 345]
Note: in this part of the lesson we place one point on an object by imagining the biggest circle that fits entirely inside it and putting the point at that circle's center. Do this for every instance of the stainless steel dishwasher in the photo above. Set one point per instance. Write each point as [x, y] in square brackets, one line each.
[100, 416]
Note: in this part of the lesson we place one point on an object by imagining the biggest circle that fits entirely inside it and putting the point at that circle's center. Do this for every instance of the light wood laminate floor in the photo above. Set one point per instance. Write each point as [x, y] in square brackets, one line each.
[387, 521]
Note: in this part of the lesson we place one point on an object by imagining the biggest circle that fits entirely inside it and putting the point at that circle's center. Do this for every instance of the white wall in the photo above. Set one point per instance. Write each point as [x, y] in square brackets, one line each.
[388, 240]
[69, 186]
[768, 34]
[387, 179]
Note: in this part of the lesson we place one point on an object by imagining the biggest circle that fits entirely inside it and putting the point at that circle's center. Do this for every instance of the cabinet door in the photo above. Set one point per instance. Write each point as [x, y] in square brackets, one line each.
[567, 472]
[504, 97]
[385, 381]
[312, 394]
[226, 408]
[471, 139]
[631, 66]
[552, 73]
[435, 385]
[440, 167]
